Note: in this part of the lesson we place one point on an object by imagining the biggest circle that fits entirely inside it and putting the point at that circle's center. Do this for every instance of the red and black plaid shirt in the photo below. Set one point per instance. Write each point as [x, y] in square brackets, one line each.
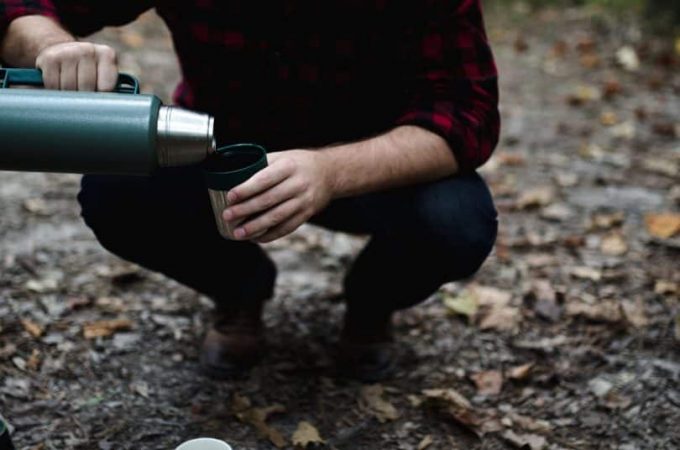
[306, 73]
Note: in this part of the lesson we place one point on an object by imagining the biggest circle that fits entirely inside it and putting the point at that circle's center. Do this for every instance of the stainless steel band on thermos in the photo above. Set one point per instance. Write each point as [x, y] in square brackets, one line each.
[93, 132]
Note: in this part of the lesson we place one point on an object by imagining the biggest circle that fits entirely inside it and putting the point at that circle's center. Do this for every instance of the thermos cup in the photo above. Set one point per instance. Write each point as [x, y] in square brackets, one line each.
[227, 168]
[121, 132]
[5, 441]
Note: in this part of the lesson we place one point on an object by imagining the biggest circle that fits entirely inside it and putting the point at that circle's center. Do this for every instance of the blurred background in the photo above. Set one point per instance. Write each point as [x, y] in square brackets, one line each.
[568, 337]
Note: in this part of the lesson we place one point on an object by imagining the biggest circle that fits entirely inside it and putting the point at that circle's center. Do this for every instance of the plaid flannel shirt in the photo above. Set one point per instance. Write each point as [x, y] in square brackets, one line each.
[308, 73]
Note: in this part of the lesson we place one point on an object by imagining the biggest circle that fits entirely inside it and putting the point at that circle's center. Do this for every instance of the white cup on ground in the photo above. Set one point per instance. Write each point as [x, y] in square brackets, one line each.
[204, 444]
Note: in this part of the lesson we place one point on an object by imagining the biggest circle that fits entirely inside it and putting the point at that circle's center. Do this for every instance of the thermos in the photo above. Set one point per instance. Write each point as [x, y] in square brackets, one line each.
[121, 132]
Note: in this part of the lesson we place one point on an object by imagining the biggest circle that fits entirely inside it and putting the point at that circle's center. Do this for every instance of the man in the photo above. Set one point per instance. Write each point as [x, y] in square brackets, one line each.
[375, 113]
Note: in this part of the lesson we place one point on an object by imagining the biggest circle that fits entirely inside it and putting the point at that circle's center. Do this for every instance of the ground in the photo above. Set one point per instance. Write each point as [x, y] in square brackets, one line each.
[568, 337]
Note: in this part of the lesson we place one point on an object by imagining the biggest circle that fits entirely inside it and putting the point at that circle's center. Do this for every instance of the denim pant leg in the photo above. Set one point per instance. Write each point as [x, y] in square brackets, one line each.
[164, 223]
[422, 236]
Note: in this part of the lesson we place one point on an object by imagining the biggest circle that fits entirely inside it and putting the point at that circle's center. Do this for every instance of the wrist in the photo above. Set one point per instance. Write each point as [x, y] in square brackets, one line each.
[329, 171]
[28, 36]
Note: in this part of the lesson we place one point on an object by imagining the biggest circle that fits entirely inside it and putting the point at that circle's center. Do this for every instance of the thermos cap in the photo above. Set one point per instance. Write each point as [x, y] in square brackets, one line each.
[204, 444]
[184, 137]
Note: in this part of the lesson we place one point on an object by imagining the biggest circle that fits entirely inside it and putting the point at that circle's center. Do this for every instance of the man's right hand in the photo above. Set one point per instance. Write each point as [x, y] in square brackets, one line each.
[78, 66]
[37, 41]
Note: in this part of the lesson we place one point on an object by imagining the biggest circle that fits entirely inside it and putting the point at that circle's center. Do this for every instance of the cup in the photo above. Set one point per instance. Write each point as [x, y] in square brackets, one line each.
[226, 168]
[204, 444]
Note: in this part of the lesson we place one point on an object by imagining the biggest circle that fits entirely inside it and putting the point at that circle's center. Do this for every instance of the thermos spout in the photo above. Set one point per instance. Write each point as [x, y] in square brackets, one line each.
[183, 137]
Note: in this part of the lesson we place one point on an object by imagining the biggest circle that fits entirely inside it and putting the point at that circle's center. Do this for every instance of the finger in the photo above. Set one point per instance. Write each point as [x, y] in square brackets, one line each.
[107, 68]
[260, 182]
[68, 77]
[282, 230]
[51, 72]
[267, 200]
[87, 74]
[272, 218]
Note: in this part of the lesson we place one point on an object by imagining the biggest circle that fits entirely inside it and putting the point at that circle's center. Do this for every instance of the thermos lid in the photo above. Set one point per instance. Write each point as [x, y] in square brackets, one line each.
[204, 444]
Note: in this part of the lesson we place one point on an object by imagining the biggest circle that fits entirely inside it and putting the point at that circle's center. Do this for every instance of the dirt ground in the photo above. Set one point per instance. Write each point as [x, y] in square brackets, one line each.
[567, 338]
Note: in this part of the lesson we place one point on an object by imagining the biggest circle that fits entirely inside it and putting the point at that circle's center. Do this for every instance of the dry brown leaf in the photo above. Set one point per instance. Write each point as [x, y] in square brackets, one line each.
[371, 399]
[613, 244]
[8, 350]
[586, 273]
[663, 225]
[306, 434]
[489, 382]
[535, 197]
[664, 287]
[504, 318]
[583, 94]
[33, 362]
[460, 409]
[425, 442]
[525, 441]
[602, 311]
[450, 396]
[530, 424]
[634, 313]
[104, 328]
[605, 221]
[609, 118]
[519, 372]
[32, 328]
[257, 417]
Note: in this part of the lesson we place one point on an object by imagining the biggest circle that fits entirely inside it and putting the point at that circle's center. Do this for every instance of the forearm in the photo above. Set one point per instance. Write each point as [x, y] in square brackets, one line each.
[405, 155]
[27, 36]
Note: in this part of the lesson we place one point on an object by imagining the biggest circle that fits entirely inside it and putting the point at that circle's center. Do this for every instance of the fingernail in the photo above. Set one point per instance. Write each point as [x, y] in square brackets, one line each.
[231, 197]
[227, 215]
[239, 233]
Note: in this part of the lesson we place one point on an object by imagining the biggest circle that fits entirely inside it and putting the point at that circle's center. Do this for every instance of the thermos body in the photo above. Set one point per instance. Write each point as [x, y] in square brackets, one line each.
[58, 131]
[120, 132]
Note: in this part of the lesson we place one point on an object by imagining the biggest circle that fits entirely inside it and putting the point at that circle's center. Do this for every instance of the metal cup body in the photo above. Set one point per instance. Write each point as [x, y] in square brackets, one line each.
[227, 168]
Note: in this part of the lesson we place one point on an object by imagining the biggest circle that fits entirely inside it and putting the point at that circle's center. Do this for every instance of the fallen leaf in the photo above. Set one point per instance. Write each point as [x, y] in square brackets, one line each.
[604, 221]
[257, 417]
[371, 399]
[33, 362]
[519, 372]
[306, 434]
[425, 442]
[140, 387]
[104, 328]
[611, 88]
[627, 57]
[503, 318]
[8, 350]
[613, 244]
[32, 328]
[624, 130]
[530, 424]
[634, 313]
[459, 408]
[583, 94]
[36, 206]
[661, 166]
[558, 212]
[664, 287]
[589, 60]
[663, 225]
[489, 382]
[535, 197]
[609, 118]
[464, 304]
[525, 441]
[602, 311]
[586, 273]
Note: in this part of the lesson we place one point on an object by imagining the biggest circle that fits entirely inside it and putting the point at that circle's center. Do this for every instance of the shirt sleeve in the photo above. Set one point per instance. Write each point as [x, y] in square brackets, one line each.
[80, 17]
[455, 91]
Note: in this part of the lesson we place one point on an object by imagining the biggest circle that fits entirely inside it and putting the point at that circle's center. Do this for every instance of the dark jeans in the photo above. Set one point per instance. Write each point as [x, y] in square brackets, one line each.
[421, 237]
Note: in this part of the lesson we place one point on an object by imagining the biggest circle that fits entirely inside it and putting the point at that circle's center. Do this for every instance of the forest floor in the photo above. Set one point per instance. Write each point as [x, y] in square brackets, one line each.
[567, 338]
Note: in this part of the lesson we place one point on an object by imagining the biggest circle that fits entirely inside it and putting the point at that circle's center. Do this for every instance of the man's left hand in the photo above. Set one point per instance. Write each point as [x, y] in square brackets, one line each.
[278, 199]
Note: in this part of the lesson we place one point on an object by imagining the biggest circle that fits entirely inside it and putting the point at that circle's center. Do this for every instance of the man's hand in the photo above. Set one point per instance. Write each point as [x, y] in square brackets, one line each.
[37, 41]
[78, 66]
[278, 199]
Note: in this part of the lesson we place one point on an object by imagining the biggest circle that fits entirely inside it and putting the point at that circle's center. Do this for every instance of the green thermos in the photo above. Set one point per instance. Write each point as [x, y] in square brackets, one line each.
[121, 132]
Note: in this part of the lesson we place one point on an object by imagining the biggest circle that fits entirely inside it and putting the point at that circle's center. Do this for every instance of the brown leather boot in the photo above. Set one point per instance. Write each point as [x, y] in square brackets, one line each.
[366, 350]
[235, 341]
